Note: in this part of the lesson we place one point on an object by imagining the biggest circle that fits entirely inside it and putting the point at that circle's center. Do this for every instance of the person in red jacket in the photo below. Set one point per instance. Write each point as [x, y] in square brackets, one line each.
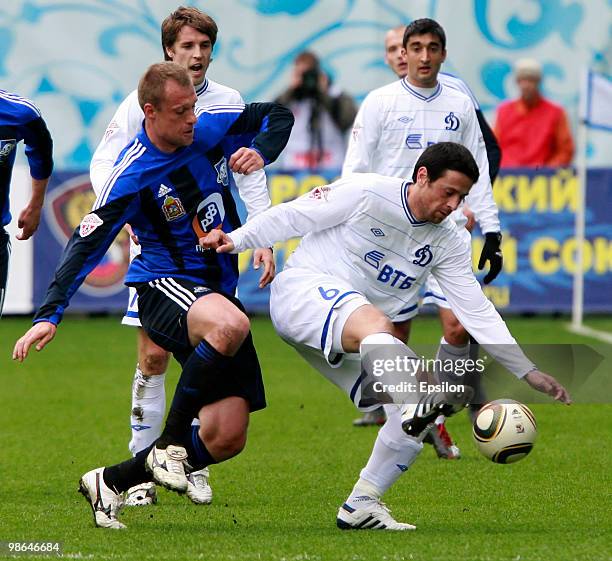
[532, 131]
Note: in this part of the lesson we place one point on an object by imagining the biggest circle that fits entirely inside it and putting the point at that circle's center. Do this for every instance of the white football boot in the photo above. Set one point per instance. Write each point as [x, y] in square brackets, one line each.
[198, 487]
[104, 502]
[168, 467]
[370, 515]
[141, 495]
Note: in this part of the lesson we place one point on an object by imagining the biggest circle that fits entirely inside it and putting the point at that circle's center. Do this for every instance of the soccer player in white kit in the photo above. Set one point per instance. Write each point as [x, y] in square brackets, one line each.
[394, 125]
[188, 37]
[386, 235]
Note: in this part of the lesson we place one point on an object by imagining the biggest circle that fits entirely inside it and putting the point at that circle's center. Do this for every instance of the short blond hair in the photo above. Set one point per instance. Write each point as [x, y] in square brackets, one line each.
[151, 87]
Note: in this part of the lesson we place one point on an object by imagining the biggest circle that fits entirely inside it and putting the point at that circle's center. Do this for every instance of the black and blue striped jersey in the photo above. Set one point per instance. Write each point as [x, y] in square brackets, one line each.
[170, 200]
[20, 120]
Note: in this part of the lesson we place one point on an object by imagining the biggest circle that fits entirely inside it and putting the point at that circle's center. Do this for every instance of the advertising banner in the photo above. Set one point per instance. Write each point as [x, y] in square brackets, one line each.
[536, 211]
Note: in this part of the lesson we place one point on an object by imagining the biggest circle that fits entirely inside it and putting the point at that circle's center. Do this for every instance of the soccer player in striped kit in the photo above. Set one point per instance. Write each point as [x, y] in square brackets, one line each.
[188, 37]
[166, 186]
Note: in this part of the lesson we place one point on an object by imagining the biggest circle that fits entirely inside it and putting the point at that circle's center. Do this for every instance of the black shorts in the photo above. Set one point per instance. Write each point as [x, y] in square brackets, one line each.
[162, 308]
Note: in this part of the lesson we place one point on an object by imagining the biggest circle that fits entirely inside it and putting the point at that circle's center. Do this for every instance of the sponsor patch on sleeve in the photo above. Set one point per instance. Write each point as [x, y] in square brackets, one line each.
[112, 128]
[89, 224]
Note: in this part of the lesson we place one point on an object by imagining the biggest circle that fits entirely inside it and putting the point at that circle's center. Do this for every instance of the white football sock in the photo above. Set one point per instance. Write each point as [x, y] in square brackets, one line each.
[379, 339]
[450, 353]
[393, 453]
[148, 409]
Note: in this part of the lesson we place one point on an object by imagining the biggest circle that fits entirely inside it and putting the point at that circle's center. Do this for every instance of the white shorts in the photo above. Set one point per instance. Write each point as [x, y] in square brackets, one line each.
[433, 294]
[131, 314]
[309, 311]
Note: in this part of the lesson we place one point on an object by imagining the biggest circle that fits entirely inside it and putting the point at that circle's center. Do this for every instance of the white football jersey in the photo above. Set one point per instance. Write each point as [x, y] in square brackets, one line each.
[396, 123]
[360, 229]
[127, 121]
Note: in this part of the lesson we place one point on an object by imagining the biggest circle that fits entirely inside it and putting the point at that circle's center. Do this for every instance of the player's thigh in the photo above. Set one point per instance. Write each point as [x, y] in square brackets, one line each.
[163, 306]
[311, 308]
[215, 313]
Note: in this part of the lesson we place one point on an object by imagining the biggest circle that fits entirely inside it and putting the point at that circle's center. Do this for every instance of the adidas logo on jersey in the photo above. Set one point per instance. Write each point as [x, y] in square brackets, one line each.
[163, 190]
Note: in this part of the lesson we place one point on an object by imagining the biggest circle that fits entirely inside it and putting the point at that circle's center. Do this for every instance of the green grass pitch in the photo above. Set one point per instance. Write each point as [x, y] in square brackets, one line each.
[66, 411]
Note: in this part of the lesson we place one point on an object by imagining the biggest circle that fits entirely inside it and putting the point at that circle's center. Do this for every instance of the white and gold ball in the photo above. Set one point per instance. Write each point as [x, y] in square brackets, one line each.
[505, 431]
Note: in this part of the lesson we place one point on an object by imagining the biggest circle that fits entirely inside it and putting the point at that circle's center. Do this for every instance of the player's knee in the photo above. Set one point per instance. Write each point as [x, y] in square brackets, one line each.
[153, 361]
[232, 330]
[381, 324]
[455, 333]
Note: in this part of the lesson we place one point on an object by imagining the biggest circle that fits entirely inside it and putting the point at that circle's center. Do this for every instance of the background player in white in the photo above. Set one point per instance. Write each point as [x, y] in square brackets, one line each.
[394, 125]
[386, 235]
[188, 38]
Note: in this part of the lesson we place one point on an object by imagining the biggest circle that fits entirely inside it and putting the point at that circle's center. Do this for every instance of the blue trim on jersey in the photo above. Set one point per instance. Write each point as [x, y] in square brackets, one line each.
[131, 314]
[420, 96]
[434, 295]
[20, 100]
[408, 309]
[328, 318]
[411, 218]
[202, 88]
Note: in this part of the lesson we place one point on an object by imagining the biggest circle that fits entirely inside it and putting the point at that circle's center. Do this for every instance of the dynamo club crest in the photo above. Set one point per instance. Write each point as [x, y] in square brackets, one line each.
[423, 256]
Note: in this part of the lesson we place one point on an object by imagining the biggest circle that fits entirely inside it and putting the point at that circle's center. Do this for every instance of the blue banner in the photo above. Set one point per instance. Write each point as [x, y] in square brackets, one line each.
[536, 210]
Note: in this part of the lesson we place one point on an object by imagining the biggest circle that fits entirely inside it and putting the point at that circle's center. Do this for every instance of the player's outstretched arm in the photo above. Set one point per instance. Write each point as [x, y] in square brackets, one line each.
[40, 333]
[217, 240]
[545, 383]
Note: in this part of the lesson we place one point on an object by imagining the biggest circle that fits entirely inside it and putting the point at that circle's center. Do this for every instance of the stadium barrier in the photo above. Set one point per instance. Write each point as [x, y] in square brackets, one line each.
[536, 211]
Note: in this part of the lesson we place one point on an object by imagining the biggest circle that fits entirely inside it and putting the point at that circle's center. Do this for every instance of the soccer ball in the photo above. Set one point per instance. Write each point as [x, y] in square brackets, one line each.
[505, 431]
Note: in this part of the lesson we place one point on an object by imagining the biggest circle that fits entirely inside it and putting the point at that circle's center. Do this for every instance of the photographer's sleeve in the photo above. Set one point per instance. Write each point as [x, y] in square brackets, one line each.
[342, 110]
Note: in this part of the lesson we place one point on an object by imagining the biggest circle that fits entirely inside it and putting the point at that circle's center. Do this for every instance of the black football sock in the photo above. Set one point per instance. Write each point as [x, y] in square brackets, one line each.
[202, 368]
[125, 475]
[198, 455]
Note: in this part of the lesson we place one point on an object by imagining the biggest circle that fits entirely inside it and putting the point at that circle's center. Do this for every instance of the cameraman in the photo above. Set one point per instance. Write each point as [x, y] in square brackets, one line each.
[323, 115]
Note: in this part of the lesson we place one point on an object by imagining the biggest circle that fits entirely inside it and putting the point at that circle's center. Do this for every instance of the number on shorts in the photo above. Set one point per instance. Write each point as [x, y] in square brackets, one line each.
[329, 294]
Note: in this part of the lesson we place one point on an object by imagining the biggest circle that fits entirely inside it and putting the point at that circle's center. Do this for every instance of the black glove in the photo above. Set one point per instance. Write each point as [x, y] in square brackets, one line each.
[491, 252]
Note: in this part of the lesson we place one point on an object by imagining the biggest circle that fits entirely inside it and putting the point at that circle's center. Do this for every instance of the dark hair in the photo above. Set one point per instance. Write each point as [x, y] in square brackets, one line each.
[181, 17]
[152, 85]
[423, 26]
[440, 157]
[309, 58]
